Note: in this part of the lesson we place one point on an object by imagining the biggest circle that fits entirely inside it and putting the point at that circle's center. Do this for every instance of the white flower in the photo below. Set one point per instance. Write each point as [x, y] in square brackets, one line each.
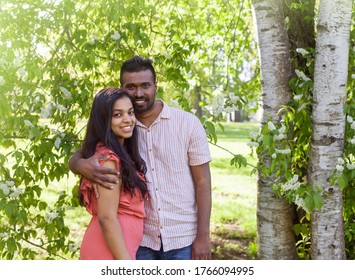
[340, 161]
[73, 247]
[350, 166]
[45, 112]
[302, 51]
[218, 104]
[5, 189]
[283, 151]
[61, 107]
[115, 36]
[92, 41]
[28, 123]
[51, 216]
[352, 141]
[66, 92]
[233, 97]
[16, 192]
[271, 126]
[353, 125]
[353, 76]
[282, 129]
[292, 184]
[302, 75]
[339, 168]
[300, 202]
[273, 155]
[253, 134]
[10, 183]
[57, 142]
[252, 144]
[349, 119]
[231, 109]
[279, 136]
[303, 106]
[297, 97]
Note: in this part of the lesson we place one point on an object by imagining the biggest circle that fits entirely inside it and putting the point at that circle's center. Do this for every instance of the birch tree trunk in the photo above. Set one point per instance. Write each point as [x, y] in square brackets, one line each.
[328, 122]
[276, 239]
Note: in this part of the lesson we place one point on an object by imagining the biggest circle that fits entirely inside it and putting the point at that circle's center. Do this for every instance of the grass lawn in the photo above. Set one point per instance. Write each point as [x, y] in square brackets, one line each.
[233, 218]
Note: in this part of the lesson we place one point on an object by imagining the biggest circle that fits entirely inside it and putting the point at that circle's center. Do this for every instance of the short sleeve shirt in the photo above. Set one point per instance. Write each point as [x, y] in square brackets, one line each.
[174, 142]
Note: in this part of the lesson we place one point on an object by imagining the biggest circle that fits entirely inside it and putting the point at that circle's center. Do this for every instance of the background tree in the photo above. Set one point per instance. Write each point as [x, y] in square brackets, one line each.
[55, 55]
[274, 214]
[290, 155]
[328, 125]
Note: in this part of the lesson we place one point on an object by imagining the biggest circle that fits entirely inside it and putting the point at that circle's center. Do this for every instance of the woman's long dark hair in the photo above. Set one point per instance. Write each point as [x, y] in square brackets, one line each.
[99, 129]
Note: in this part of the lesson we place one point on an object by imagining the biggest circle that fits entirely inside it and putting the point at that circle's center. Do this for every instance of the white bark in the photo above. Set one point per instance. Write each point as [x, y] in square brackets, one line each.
[328, 122]
[274, 216]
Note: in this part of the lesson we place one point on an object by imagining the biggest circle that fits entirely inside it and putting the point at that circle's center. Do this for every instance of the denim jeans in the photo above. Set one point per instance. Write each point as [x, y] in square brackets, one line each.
[145, 253]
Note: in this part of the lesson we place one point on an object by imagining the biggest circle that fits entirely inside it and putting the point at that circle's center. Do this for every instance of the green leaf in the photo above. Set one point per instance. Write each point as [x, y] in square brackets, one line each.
[318, 201]
[11, 244]
[342, 182]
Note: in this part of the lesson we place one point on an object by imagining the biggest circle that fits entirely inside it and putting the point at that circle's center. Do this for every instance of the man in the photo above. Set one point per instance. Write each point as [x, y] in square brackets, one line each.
[174, 146]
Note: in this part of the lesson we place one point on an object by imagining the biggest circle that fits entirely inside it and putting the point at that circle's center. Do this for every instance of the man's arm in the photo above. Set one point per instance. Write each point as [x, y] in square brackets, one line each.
[201, 249]
[91, 169]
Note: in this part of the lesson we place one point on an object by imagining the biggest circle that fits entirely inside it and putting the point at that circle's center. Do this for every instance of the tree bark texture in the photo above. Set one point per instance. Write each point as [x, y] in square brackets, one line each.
[328, 125]
[276, 239]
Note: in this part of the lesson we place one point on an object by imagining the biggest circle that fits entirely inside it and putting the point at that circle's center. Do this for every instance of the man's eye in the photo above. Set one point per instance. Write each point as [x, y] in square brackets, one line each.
[131, 113]
[130, 87]
[146, 85]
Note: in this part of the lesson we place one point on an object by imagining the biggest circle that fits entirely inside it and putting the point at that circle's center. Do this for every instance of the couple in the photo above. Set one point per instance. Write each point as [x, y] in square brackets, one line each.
[167, 184]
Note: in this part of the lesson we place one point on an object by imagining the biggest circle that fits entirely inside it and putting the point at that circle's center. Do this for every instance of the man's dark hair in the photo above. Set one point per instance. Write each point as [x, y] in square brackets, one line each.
[136, 64]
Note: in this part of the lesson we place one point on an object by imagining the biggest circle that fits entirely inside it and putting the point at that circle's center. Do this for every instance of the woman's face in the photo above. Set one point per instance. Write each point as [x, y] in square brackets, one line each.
[123, 118]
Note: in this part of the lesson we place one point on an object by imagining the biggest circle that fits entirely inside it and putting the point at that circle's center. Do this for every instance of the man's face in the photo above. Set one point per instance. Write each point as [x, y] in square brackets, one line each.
[142, 87]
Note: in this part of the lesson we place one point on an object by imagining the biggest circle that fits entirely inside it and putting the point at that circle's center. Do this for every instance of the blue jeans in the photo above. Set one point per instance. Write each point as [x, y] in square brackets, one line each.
[145, 253]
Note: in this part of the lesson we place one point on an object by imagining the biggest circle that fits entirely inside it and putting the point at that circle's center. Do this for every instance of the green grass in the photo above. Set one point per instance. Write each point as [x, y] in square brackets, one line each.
[233, 189]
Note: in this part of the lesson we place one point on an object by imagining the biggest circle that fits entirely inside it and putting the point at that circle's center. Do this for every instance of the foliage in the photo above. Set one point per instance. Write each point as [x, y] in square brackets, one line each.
[56, 54]
[286, 146]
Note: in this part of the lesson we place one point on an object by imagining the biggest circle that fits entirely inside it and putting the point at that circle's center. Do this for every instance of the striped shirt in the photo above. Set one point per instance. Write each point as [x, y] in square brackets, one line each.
[175, 141]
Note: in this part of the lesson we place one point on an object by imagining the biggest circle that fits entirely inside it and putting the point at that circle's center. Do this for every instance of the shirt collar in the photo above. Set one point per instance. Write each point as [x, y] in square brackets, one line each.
[165, 113]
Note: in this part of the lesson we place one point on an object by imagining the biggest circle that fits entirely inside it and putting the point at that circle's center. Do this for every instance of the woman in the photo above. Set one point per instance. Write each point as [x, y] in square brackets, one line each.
[116, 228]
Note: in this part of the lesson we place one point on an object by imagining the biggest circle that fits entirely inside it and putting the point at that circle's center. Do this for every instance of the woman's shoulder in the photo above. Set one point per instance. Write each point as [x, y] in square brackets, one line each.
[101, 149]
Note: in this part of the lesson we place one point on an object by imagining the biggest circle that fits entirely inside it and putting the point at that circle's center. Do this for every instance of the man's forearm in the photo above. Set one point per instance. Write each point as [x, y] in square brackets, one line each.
[74, 160]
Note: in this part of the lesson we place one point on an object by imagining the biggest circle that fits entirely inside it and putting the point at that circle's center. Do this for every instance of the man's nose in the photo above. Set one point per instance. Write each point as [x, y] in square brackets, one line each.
[139, 92]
